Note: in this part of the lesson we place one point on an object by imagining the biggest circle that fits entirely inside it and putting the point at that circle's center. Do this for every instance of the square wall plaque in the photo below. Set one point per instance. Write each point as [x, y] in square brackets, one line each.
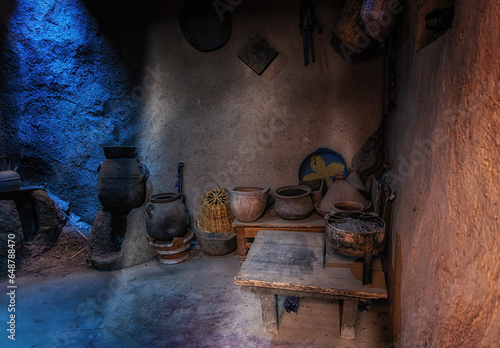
[257, 53]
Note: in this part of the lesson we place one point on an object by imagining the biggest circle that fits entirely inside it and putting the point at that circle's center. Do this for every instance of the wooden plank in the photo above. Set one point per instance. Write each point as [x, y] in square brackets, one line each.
[355, 265]
[269, 313]
[251, 232]
[294, 261]
[349, 316]
[283, 292]
[267, 221]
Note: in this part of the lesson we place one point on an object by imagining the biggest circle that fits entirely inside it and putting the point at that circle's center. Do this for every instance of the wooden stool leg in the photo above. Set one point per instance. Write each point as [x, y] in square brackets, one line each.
[349, 315]
[241, 243]
[269, 313]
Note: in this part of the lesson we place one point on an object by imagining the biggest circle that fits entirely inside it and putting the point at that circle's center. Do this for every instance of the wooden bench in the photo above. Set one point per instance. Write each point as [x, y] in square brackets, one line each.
[287, 263]
[246, 231]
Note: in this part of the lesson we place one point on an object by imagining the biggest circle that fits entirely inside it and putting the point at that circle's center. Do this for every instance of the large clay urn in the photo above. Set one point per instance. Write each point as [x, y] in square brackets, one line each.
[166, 217]
[122, 180]
[248, 203]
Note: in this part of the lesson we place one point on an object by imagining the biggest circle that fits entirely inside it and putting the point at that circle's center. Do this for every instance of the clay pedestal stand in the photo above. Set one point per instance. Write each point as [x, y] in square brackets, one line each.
[172, 252]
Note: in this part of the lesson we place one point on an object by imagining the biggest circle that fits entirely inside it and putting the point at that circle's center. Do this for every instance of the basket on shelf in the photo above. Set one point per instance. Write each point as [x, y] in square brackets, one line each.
[350, 27]
[215, 213]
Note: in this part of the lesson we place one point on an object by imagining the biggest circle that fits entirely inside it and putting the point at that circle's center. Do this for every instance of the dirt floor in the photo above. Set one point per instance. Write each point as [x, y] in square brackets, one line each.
[316, 324]
[68, 256]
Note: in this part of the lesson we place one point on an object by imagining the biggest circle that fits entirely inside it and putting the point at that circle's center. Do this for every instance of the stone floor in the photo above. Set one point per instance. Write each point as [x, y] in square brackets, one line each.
[191, 304]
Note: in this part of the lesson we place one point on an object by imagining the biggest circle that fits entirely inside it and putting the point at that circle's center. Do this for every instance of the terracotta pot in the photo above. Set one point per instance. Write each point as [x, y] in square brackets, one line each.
[248, 203]
[318, 188]
[293, 202]
[122, 183]
[318, 209]
[166, 217]
[347, 206]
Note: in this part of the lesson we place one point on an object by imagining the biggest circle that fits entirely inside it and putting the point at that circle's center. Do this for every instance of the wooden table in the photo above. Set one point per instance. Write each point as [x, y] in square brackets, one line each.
[284, 263]
[246, 231]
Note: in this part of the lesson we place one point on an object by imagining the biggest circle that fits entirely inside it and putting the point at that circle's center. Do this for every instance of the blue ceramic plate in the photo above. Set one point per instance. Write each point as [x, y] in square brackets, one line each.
[322, 164]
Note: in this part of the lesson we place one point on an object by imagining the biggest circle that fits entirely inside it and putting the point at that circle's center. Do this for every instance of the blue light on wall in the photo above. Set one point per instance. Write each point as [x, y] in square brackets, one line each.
[66, 94]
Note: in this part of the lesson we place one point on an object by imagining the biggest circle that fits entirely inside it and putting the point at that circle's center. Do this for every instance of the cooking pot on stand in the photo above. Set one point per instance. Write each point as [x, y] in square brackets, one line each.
[356, 234]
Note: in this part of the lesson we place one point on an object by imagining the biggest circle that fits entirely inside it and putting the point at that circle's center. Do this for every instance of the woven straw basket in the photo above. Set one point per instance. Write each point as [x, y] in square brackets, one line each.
[215, 213]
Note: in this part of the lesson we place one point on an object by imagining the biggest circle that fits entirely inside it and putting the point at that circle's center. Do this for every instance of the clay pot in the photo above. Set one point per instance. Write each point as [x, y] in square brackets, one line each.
[342, 190]
[248, 203]
[318, 188]
[119, 151]
[9, 179]
[293, 202]
[166, 217]
[347, 206]
[318, 209]
[122, 181]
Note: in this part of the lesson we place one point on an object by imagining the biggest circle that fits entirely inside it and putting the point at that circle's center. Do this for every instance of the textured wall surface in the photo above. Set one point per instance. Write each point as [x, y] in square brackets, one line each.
[82, 75]
[444, 145]
[61, 99]
[232, 127]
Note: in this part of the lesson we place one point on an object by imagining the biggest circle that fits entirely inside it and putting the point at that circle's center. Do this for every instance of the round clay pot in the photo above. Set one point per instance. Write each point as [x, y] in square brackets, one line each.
[248, 203]
[166, 217]
[122, 182]
[293, 202]
[347, 206]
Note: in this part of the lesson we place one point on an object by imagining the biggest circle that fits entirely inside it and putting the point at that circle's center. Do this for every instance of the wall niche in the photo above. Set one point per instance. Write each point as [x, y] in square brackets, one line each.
[434, 19]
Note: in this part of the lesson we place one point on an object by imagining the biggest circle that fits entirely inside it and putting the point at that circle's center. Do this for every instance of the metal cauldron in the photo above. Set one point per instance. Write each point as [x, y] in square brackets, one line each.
[356, 234]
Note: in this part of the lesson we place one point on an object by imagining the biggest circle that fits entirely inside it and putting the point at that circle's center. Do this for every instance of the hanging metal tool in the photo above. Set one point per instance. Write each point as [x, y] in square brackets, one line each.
[308, 22]
[178, 184]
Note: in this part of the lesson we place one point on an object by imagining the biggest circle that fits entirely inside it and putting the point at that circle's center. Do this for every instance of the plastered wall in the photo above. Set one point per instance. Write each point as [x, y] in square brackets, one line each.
[444, 147]
[233, 127]
[79, 75]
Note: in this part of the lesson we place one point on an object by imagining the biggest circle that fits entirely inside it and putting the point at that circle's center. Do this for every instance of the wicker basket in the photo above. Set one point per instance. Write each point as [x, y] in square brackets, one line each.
[350, 28]
[215, 212]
